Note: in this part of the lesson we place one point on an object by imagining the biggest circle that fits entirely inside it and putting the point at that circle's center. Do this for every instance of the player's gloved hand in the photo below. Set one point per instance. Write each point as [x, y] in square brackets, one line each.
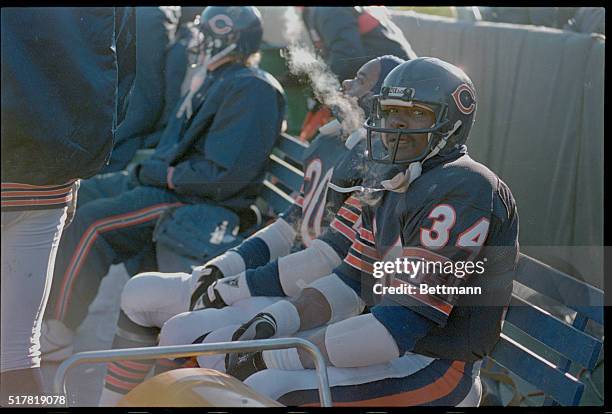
[153, 172]
[205, 276]
[261, 326]
[242, 365]
[226, 291]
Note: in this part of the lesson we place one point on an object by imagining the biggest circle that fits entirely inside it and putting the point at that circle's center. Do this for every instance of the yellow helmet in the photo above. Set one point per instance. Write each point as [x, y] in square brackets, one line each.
[194, 387]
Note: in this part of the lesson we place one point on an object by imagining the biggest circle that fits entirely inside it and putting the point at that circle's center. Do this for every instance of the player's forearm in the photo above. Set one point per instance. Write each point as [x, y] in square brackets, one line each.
[205, 178]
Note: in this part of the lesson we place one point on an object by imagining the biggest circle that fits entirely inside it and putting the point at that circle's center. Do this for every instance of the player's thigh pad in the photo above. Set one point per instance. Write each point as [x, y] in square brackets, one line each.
[150, 299]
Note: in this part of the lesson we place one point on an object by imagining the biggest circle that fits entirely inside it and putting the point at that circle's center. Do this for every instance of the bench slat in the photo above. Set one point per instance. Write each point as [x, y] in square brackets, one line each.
[293, 147]
[275, 197]
[563, 338]
[286, 173]
[563, 387]
[577, 295]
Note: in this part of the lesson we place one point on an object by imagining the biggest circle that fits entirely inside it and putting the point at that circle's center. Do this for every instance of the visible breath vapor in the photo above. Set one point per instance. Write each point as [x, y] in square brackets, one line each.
[302, 60]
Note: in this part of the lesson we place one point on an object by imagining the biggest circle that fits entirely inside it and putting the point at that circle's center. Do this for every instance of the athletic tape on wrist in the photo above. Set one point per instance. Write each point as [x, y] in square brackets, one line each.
[343, 300]
[229, 263]
[287, 359]
[286, 316]
[231, 289]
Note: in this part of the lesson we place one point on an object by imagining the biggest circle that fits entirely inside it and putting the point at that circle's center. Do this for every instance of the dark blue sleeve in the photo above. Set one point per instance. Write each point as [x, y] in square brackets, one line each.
[339, 31]
[265, 280]
[338, 242]
[176, 68]
[405, 325]
[293, 214]
[66, 73]
[126, 57]
[254, 251]
[147, 98]
[238, 142]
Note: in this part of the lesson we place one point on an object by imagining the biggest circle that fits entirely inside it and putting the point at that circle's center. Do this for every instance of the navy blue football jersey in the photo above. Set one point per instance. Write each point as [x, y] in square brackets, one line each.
[456, 211]
[315, 206]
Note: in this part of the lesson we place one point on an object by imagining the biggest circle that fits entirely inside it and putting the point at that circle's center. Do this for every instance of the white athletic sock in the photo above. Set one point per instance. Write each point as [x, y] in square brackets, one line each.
[109, 398]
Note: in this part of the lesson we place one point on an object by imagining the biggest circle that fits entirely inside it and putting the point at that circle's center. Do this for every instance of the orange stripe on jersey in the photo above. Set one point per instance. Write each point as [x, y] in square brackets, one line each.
[366, 235]
[430, 300]
[347, 214]
[353, 202]
[358, 264]
[19, 186]
[366, 250]
[343, 228]
[431, 392]
[37, 202]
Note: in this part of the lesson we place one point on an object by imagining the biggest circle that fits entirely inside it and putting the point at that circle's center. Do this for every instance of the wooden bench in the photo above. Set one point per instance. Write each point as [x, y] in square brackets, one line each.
[535, 345]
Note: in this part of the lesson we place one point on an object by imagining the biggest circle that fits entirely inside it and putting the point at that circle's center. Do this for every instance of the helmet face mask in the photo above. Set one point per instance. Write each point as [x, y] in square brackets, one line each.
[430, 83]
[389, 152]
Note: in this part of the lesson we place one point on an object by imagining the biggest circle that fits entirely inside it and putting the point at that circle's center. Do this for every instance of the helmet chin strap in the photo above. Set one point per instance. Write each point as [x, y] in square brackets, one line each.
[198, 79]
[402, 180]
[442, 142]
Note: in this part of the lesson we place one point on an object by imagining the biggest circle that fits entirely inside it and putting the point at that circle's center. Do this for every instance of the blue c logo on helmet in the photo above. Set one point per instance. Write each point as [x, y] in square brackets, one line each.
[221, 24]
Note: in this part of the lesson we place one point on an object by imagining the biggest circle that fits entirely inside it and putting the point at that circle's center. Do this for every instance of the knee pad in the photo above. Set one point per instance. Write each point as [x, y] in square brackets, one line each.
[149, 299]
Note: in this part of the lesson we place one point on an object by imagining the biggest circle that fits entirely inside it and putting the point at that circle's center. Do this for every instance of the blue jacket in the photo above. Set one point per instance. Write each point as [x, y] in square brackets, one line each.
[348, 37]
[155, 28]
[220, 153]
[63, 89]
